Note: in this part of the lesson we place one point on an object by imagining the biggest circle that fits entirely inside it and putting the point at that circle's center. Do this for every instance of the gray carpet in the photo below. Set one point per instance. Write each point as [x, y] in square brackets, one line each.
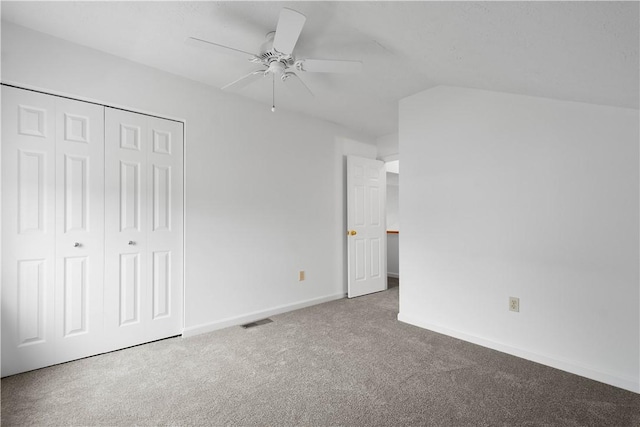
[347, 362]
[392, 282]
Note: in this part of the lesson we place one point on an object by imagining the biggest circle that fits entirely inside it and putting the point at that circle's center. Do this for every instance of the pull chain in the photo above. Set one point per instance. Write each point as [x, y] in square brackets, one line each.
[273, 93]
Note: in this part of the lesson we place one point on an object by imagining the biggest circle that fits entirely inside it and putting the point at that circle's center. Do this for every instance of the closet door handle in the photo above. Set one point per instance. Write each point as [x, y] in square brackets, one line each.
[131, 242]
[76, 245]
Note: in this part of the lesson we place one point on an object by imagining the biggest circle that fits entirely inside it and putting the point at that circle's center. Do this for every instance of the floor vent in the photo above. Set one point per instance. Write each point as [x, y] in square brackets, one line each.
[257, 323]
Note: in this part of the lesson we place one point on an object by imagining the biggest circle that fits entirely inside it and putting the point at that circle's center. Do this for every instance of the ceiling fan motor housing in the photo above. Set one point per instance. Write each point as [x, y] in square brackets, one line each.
[274, 62]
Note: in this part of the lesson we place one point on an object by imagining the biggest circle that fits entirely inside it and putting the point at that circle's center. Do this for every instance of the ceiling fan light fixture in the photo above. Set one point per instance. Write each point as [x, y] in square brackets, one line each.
[277, 67]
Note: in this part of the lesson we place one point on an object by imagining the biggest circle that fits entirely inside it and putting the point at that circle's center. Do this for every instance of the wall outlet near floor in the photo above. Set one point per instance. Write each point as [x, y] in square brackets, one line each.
[514, 304]
[300, 275]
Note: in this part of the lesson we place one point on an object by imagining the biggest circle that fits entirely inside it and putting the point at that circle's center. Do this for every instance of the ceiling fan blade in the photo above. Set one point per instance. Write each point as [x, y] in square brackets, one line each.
[295, 83]
[288, 30]
[244, 80]
[192, 41]
[329, 66]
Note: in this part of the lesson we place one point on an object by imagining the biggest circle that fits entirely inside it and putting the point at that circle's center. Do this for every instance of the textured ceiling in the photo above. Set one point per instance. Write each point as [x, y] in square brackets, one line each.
[578, 51]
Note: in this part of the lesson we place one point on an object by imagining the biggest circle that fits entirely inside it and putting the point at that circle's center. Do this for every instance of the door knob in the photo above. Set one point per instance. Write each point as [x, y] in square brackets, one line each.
[353, 233]
[131, 242]
[76, 245]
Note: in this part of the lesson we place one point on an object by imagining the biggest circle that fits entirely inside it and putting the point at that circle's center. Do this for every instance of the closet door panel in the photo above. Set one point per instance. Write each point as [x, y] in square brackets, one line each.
[79, 228]
[144, 208]
[126, 224]
[165, 221]
[28, 230]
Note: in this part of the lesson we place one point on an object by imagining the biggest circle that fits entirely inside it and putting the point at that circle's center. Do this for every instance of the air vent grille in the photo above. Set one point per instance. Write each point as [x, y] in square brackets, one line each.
[257, 323]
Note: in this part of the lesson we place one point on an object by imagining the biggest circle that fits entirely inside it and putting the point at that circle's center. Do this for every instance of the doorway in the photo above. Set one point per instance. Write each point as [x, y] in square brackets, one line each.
[392, 168]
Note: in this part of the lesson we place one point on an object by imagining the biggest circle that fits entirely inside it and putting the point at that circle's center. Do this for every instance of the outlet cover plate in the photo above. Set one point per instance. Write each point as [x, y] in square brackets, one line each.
[514, 304]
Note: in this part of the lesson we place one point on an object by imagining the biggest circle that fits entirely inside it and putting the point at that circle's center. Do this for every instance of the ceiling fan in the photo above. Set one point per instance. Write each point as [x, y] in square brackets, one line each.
[276, 56]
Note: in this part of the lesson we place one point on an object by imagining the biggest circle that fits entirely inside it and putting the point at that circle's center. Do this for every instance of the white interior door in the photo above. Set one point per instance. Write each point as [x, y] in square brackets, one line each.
[79, 228]
[125, 227]
[143, 279]
[28, 230]
[52, 229]
[366, 223]
[165, 226]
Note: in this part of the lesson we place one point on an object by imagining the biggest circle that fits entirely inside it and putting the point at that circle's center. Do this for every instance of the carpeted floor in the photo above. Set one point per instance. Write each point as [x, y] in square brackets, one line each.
[347, 362]
[393, 282]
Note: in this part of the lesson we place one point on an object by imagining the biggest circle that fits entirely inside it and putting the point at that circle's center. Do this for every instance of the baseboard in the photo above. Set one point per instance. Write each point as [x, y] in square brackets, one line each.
[630, 384]
[256, 315]
[395, 275]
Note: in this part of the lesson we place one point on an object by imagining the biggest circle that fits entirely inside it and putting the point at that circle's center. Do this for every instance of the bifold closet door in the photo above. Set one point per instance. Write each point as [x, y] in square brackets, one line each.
[79, 229]
[143, 227]
[52, 198]
[28, 230]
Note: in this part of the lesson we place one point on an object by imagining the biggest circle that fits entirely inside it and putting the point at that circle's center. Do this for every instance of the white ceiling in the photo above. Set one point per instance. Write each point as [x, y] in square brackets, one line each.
[578, 51]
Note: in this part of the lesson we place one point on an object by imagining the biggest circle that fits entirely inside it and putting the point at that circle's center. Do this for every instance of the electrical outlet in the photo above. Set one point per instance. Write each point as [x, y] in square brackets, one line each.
[300, 275]
[514, 304]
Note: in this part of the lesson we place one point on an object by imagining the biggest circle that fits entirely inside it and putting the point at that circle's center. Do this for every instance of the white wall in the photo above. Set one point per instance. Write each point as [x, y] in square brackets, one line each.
[388, 147]
[507, 195]
[264, 191]
[393, 201]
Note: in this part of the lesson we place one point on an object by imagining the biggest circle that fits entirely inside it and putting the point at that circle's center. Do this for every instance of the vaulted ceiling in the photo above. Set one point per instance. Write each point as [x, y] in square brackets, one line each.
[577, 51]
